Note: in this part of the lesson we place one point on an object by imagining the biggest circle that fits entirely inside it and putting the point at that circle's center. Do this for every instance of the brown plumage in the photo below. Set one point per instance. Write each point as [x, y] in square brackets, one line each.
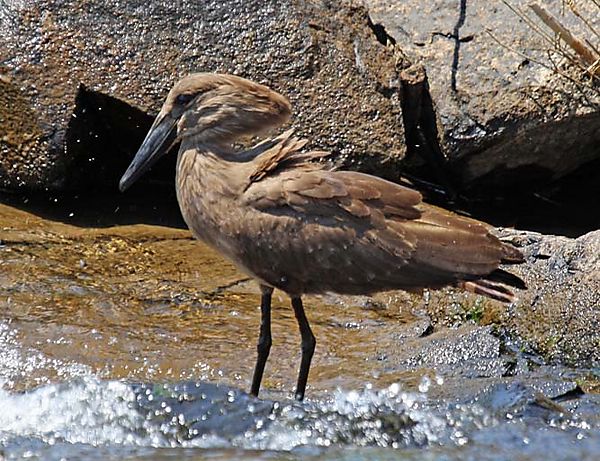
[294, 225]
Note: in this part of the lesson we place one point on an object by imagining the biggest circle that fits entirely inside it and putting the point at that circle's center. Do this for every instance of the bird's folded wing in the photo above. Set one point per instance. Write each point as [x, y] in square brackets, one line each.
[283, 153]
[383, 217]
[342, 194]
[369, 208]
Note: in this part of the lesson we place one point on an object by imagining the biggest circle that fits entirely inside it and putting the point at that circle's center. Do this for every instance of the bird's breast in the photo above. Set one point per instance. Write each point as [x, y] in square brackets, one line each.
[202, 197]
[213, 212]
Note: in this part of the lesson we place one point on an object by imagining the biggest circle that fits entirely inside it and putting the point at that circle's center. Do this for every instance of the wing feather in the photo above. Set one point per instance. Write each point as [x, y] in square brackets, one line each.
[389, 236]
[334, 198]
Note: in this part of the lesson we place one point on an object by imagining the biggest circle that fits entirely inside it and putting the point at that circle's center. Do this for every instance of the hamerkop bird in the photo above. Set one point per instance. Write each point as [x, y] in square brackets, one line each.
[292, 224]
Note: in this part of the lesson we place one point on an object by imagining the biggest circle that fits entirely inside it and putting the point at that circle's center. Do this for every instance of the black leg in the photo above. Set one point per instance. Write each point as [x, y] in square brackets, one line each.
[264, 340]
[308, 347]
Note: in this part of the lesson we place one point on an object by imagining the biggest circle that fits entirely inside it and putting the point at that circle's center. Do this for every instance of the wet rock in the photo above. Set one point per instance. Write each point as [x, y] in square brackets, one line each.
[559, 312]
[201, 409]
[494, 117]
[557, 316]
[587, 407]
[414, 329]
[517, 398]
[548, 386]
[81, 81]
[534, 396]
[467, 351]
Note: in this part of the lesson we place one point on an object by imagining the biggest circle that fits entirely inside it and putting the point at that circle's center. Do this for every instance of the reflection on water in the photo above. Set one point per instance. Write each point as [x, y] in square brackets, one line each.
[18, 365]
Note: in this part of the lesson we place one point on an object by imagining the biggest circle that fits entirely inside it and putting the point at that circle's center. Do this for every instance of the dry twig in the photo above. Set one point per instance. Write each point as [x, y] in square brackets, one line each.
[588, 56]
[584, 54]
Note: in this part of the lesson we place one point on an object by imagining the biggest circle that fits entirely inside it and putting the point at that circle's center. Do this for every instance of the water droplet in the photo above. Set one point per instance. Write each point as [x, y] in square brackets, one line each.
[425, 384]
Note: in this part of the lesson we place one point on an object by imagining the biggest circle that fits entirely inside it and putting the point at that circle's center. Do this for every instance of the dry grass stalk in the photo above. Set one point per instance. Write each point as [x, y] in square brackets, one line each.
[552, 67]
[588, 55]
[580, 53]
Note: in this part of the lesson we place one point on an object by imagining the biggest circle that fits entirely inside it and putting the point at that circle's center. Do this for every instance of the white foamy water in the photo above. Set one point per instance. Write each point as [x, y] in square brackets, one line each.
[83, 409]
[95, 412]
[85, 417]
[86, 411]
[387, 418]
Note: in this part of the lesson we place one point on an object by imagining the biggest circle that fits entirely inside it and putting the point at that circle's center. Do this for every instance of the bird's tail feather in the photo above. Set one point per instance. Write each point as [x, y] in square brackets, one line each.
[495, 285]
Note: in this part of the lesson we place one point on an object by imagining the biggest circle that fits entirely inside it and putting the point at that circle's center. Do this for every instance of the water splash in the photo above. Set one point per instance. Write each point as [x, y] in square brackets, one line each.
[119, 418]
[387, 418]
[18, 364]
[55, 421]
[95, 412]
[86, 411]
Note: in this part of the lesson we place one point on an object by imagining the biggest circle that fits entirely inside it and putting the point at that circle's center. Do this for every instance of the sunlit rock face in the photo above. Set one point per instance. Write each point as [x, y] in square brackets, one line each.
[389, 90]
[81, 81]
[508, 108]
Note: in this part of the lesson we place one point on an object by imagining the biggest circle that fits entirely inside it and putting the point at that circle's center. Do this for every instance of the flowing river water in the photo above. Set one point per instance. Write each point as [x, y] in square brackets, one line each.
[136, 342]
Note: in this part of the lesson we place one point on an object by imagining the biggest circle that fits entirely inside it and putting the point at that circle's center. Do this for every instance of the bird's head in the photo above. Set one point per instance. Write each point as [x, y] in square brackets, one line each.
[208, 109]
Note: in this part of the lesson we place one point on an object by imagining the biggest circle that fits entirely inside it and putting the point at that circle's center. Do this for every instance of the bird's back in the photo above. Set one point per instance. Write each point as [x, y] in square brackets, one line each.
[300, 227]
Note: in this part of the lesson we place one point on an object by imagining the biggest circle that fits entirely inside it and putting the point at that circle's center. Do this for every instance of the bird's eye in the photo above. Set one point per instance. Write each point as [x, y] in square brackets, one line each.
[184, 98]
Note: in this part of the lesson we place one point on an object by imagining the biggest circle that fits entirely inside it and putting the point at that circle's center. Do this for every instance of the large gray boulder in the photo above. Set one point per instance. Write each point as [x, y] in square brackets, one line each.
[80, 81]
[496, 118]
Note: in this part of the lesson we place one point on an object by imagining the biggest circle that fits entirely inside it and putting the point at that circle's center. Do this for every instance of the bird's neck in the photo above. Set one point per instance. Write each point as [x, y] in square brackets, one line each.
[206, 171]
[207, 189]
[210, 180]
[219, 164]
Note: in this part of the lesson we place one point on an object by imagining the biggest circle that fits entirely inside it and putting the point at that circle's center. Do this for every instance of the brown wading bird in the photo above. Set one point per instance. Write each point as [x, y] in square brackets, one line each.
[295, 225]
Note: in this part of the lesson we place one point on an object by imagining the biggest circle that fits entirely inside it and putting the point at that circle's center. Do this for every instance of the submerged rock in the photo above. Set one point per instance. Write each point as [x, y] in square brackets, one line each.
[81, 81]
[201, 409]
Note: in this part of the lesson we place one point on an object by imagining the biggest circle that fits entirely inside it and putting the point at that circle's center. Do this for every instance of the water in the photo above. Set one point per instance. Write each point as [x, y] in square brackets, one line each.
[144, 351]
[101, 419]
[86, 417]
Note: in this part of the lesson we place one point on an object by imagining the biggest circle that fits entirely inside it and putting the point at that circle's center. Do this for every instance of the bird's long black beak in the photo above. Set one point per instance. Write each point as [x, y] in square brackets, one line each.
[158, 141]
